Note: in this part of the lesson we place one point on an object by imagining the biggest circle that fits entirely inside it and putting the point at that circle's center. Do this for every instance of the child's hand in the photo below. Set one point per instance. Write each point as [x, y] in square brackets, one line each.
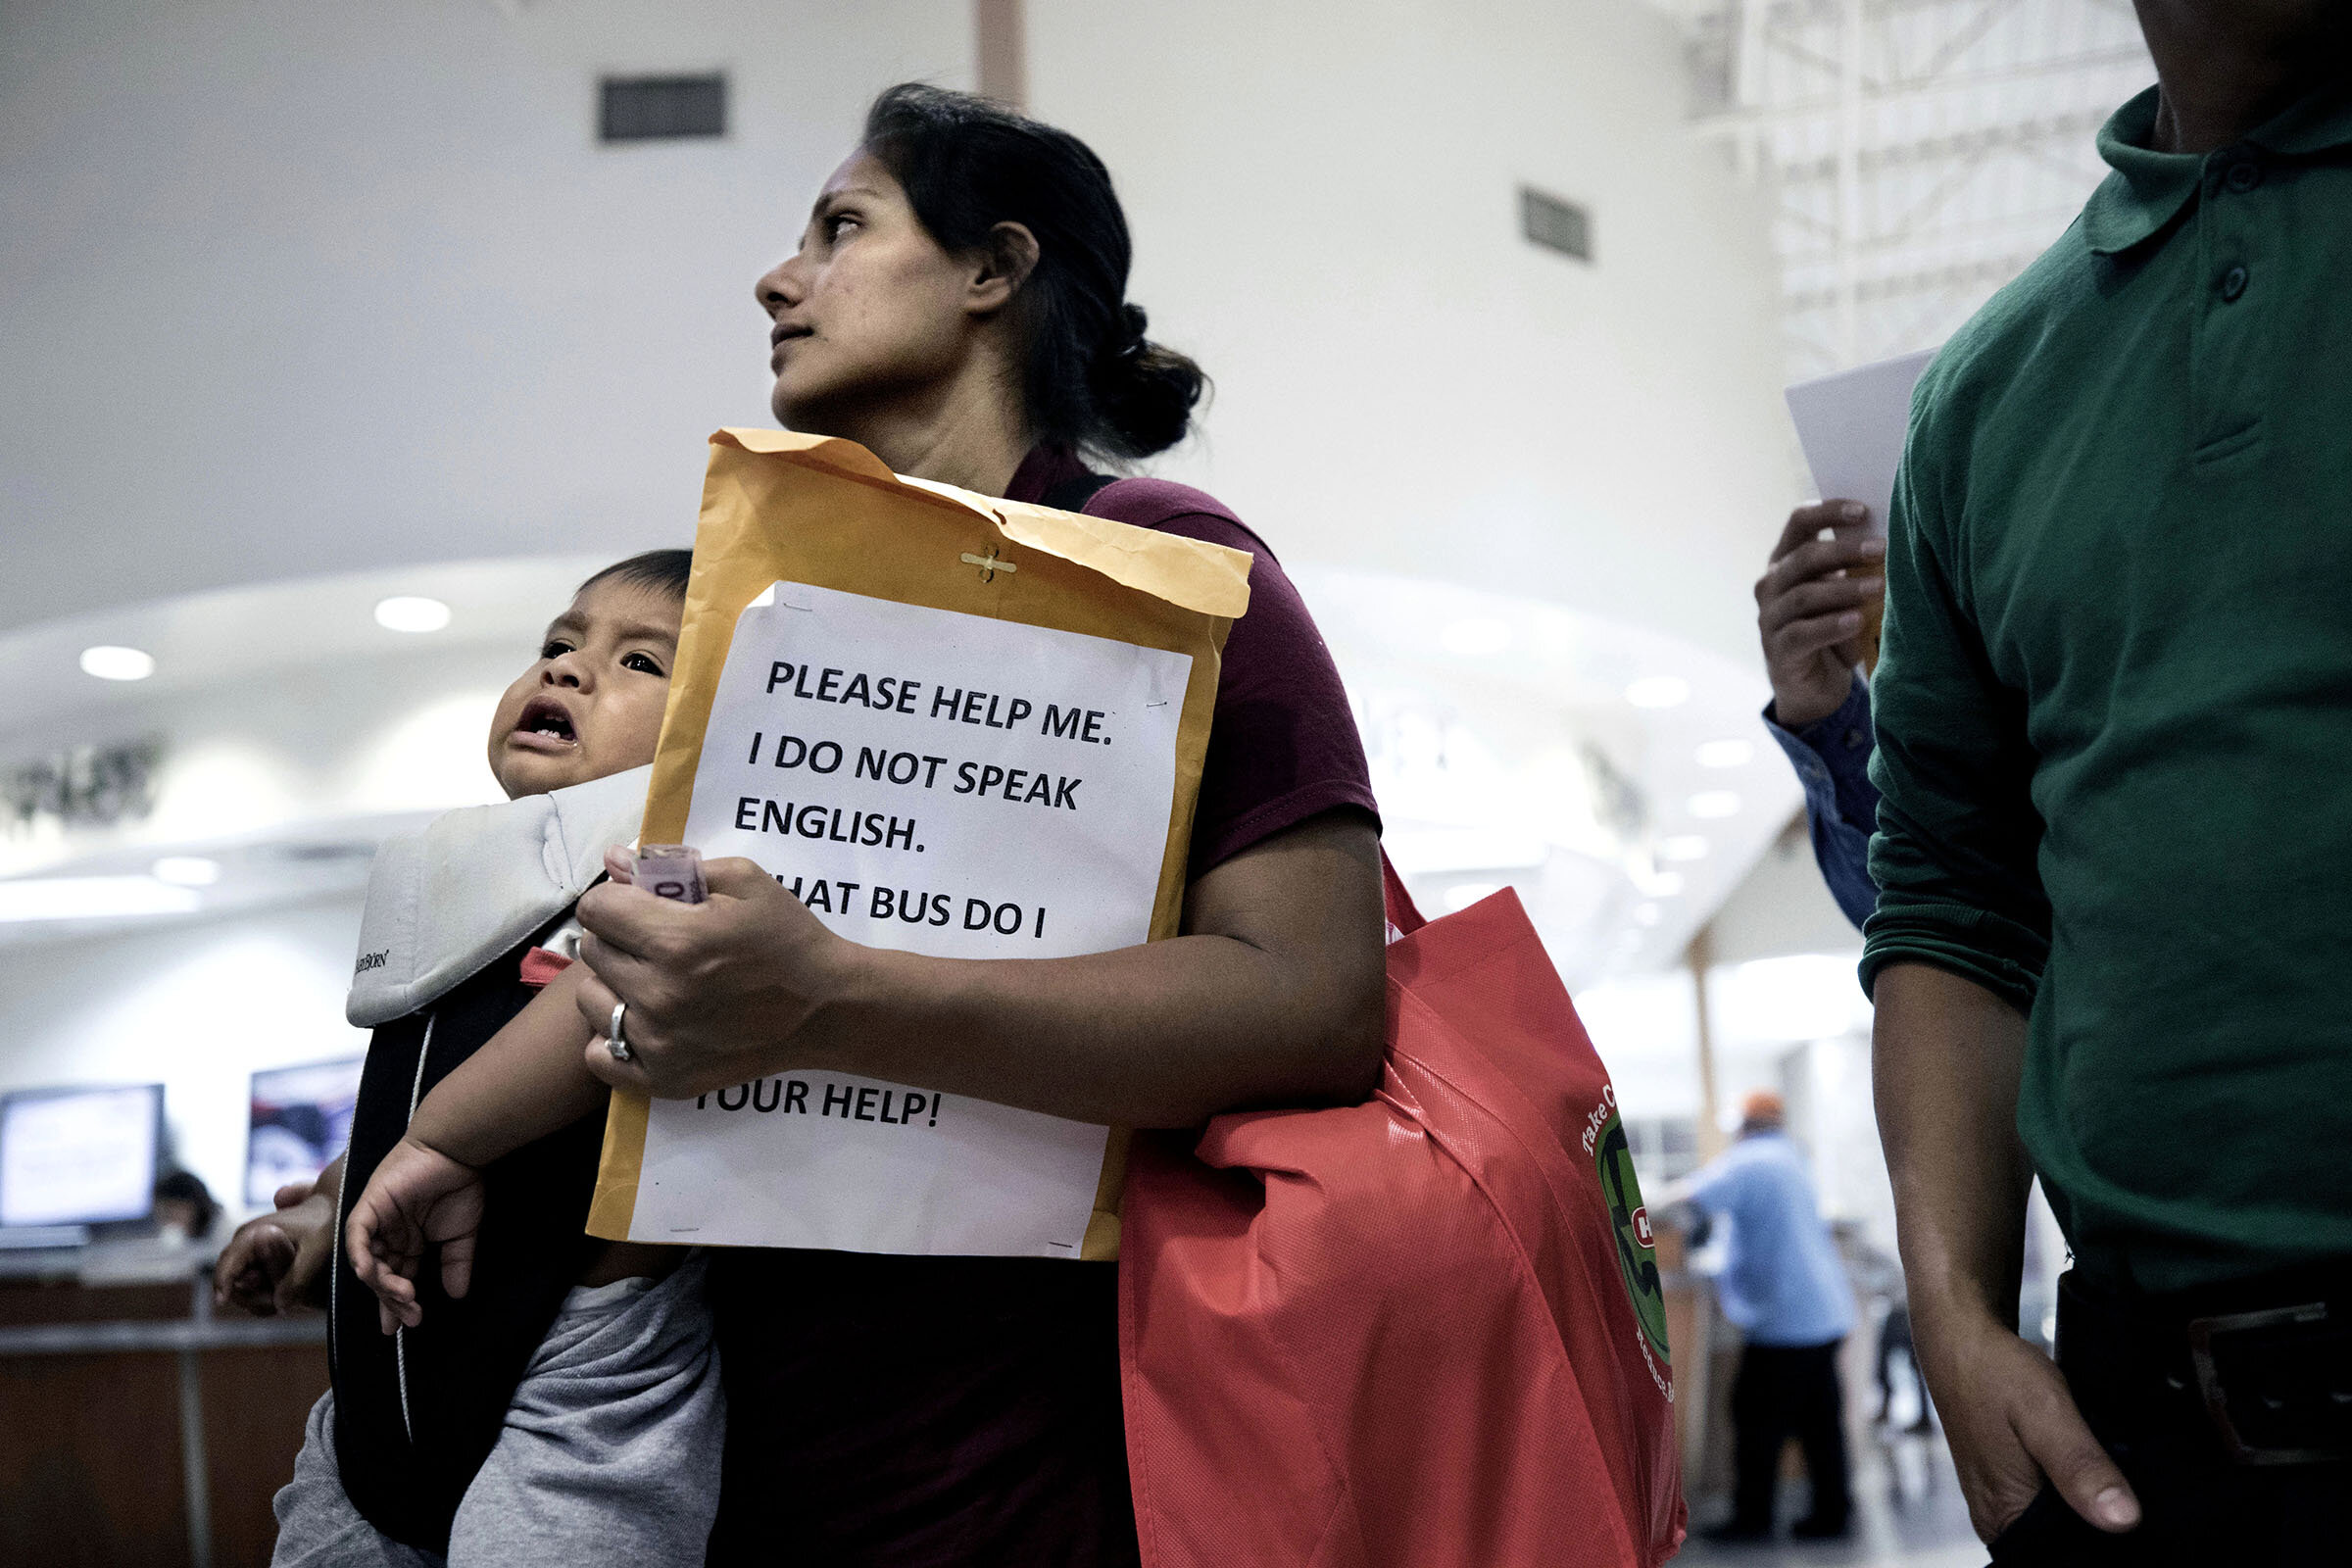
[272, 1264]
[418, 1199]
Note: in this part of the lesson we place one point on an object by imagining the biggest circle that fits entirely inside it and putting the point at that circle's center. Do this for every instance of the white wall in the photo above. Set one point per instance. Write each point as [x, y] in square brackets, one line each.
[195, 1006]
[288, 288]
[1783, 906]
[1325, 206]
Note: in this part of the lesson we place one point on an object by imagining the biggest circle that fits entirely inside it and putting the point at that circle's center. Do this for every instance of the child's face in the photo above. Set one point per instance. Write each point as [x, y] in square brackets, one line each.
[592, 705]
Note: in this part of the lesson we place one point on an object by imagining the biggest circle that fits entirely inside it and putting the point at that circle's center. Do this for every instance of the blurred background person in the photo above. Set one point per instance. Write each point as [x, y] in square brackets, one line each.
[185, 1210]
[1785, 1290]
[1823, 582]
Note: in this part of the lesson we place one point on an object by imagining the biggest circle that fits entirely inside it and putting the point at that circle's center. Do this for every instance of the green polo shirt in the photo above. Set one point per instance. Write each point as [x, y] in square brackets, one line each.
[2115, 703]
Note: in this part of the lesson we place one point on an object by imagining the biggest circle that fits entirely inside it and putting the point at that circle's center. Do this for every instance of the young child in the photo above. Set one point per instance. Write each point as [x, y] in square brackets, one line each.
[560, 1400]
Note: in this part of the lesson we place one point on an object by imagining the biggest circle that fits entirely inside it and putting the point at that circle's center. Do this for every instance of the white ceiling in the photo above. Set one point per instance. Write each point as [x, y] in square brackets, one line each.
[1505, 750]
[1918, 152]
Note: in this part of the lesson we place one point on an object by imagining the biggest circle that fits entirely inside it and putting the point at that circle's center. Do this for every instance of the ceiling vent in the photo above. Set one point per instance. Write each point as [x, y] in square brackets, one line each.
[662, 107]
[1555, 225]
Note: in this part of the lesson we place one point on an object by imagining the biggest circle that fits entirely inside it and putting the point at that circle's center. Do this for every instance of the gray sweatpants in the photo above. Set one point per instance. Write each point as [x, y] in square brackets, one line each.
[609, 1453]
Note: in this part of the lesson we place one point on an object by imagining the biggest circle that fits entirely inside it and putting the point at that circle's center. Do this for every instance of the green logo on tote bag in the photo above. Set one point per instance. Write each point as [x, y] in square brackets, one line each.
[1636, 1245]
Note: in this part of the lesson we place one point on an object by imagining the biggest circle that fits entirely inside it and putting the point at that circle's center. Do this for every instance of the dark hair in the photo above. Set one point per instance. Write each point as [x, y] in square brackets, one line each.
[1094, 380]
[663, 570]
[186, 1187]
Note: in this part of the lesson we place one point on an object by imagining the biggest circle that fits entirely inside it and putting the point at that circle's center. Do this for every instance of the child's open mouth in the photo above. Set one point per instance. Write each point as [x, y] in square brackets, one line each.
[545, 727]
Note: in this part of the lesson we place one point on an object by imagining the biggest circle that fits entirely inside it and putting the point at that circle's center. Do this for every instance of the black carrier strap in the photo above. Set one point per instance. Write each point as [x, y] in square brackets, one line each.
[417, 1415]
[1073, 494]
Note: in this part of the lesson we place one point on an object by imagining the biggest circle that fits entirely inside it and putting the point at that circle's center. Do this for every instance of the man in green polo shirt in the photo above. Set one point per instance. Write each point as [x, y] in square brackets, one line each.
[2113, 942]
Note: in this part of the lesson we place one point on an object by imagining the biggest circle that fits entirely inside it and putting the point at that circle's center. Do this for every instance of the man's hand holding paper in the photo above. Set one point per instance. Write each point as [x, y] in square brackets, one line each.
[1812, 604]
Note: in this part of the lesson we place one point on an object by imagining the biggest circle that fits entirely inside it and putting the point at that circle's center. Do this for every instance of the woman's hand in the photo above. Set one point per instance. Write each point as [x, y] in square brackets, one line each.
[719, 992]
[1272, 996]
[418, 1200]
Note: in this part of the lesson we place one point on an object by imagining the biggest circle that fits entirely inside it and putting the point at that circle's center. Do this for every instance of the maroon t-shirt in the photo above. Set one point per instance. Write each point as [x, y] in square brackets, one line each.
[906, 1411]
[1284, 747]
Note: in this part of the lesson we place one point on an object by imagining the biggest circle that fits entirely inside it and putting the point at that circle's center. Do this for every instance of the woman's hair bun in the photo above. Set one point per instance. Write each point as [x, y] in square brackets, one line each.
[1143, 391]
[1136, 323]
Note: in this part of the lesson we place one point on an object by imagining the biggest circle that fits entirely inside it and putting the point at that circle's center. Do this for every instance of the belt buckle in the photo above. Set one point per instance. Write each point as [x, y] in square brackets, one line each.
[2202, 1332]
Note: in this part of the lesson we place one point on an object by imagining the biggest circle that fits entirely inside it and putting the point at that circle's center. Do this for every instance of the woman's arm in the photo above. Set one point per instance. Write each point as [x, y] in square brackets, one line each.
[1272, 996]
[527, 1080]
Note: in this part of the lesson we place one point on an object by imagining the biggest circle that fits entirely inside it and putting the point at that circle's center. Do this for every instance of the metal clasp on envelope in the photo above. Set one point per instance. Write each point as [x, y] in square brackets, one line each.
[988, 564]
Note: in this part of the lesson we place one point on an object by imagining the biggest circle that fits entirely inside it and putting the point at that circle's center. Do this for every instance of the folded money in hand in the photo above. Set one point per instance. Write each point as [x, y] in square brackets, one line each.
[671, 871]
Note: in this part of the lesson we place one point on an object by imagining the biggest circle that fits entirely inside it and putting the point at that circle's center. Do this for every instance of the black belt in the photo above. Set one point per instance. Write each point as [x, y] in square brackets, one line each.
[2266, 1367]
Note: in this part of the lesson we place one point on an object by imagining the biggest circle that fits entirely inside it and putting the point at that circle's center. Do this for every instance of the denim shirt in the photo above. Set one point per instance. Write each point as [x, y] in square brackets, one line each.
[1831, 759]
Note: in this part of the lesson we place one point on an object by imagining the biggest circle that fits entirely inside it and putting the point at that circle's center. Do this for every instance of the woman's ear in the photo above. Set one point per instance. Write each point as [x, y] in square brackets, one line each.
[1005, 263]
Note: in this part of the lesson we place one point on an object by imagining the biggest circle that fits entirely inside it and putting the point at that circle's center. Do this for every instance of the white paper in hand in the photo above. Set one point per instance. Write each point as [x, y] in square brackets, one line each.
[1852, 425]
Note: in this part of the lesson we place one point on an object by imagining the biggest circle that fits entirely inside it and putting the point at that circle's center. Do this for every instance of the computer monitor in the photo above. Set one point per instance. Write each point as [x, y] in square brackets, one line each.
[80, 1156]
[300, 1120]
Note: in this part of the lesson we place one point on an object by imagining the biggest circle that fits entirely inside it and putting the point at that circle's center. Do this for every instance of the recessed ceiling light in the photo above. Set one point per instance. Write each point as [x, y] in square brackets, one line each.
[1683, 846]
[1726, 754]
[1713, 804]
[1658, 690]
[1462, 894]
[1663, 884]
[90, 898]
[110, 663]
[186, 870]
[1476, 639]
[409, 613]
[1648, 915]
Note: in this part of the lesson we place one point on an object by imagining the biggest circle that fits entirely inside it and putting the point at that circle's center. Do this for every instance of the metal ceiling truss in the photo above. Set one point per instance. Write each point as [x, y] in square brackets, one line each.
[1919, 152]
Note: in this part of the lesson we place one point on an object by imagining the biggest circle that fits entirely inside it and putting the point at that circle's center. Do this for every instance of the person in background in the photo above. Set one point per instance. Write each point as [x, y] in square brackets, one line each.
[1785, 1291]
[1826, 574]
[2112, 937]
[1810, 605]
[184, 1208]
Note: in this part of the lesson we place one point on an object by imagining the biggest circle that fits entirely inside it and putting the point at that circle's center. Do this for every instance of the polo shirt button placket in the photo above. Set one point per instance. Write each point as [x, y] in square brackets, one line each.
[2233, 285]
[2243, 177]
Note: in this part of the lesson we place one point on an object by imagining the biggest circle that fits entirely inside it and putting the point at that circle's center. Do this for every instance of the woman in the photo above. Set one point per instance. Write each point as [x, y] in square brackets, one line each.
[957, 306]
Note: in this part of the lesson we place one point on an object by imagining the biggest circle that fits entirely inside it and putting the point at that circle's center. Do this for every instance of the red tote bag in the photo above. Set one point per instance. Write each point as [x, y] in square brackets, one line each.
[1425, 1331]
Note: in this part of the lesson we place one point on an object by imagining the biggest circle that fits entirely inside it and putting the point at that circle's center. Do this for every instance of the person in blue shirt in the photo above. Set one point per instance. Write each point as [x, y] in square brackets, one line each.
[1810, 605]
[1785, 1290]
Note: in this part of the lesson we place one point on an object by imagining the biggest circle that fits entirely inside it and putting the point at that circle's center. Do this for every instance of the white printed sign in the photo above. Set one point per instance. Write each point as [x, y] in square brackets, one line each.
[939, 783]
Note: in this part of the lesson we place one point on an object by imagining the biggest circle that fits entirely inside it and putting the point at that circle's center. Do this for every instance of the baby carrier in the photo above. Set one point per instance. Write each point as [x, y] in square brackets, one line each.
[452, 914]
